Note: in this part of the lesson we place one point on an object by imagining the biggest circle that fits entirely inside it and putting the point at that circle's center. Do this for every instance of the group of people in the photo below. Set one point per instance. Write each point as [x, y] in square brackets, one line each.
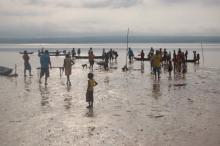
[73, 52]
[109, 56]
[67, 66]
[163, 58]
[160, 58]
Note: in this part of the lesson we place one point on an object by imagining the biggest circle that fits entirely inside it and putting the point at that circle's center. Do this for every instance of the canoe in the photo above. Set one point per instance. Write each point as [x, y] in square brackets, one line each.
[192, 60]
[139, 59]
[102, 63]
[27, 52]
[147, 59]
[5, 71]
[54, 54]
[87, 57]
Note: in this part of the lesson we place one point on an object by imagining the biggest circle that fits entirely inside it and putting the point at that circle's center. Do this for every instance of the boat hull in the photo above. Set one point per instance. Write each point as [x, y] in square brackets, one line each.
[5, 71]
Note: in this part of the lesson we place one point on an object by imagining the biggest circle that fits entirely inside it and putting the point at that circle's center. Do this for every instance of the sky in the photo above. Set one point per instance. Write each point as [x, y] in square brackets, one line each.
[70, 18]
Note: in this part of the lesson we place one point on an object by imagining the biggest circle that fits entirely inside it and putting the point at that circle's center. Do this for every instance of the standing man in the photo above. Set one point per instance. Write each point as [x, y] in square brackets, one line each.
[156, 60]
[27, 65]
[45, 63]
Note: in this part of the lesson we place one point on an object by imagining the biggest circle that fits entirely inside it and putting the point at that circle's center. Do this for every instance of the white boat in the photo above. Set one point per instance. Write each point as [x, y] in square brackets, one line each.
[5, 71]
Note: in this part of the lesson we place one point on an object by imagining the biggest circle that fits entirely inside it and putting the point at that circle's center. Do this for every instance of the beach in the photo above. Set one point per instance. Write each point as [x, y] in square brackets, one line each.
[130, 108]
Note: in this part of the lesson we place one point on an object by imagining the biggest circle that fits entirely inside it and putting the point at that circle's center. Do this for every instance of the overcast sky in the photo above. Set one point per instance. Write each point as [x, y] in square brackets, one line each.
[64, 18]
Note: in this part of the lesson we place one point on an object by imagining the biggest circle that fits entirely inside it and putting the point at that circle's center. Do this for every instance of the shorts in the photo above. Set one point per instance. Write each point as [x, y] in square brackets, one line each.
[89, 96]
[91, 62]
[44, 71]
[27, 66]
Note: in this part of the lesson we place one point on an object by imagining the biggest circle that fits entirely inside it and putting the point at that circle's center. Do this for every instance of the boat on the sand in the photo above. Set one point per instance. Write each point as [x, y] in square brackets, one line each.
[5, 71]
[87, 57]
[148, 59]
[27, 52]
[139, 59]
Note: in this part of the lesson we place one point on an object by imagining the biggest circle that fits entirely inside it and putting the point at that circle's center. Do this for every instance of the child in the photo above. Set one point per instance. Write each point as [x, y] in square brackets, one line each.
[90, 88]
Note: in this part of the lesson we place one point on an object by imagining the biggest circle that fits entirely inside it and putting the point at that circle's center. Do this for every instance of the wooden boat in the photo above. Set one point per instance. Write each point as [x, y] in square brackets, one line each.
[139, 59]
[101, 63]
[53, 54]
[147, 59]
[5, 71]
[27, 52]
[87, 57]
[192, 60]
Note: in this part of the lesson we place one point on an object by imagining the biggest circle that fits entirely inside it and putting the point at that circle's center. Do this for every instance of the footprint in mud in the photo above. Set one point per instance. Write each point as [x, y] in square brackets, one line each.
[90, 113]
[91, 130]
[68, 103]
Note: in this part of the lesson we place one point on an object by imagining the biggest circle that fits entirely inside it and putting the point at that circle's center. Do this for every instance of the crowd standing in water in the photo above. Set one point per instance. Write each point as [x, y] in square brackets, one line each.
[159, 58]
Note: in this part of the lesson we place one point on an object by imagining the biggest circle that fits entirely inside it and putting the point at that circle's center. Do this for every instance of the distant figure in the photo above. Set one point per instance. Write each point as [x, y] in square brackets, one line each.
[130, 54]
[67, 65]
[103, 53]
[57, 53]
[106, 61]
[110, 55]
[73, 52]
[174, 61]
[186, 55]
[198, 57]
[90, 50]
[194, 55]
[78, 52]
[115, 55]
[170, 67]
[45, 63]
[156, 60]
[91, 59]
[27, 65]
[90, 89]
[142, 55]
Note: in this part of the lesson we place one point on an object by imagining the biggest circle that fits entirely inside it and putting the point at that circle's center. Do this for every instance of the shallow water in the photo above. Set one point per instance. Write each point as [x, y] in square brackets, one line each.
[131, 108]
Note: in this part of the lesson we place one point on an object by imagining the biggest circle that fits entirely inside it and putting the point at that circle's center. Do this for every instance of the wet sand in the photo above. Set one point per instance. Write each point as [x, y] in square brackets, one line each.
[131, 108]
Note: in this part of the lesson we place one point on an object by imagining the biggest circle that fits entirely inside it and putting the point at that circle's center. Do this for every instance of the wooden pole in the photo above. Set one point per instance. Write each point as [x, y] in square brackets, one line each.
[127, 48]
[202, 53]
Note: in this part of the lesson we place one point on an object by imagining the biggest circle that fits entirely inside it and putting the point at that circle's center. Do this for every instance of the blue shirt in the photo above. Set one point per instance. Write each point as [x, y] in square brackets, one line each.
[45, 61]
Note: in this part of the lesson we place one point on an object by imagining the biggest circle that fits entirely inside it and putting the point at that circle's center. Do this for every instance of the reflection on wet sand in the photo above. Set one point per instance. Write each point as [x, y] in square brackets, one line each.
[90, 113]
[156, 89]
[68, 103]
[44, 93]
[27, 83]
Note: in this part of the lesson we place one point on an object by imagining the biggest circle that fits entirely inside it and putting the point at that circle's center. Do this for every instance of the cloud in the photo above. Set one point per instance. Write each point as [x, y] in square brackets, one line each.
[111, 3]
[199, 2]
[84, 3]
[71, 17]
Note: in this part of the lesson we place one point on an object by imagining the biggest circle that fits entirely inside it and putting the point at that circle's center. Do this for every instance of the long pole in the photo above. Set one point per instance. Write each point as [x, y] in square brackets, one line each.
[202, 53]
[127, 48]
